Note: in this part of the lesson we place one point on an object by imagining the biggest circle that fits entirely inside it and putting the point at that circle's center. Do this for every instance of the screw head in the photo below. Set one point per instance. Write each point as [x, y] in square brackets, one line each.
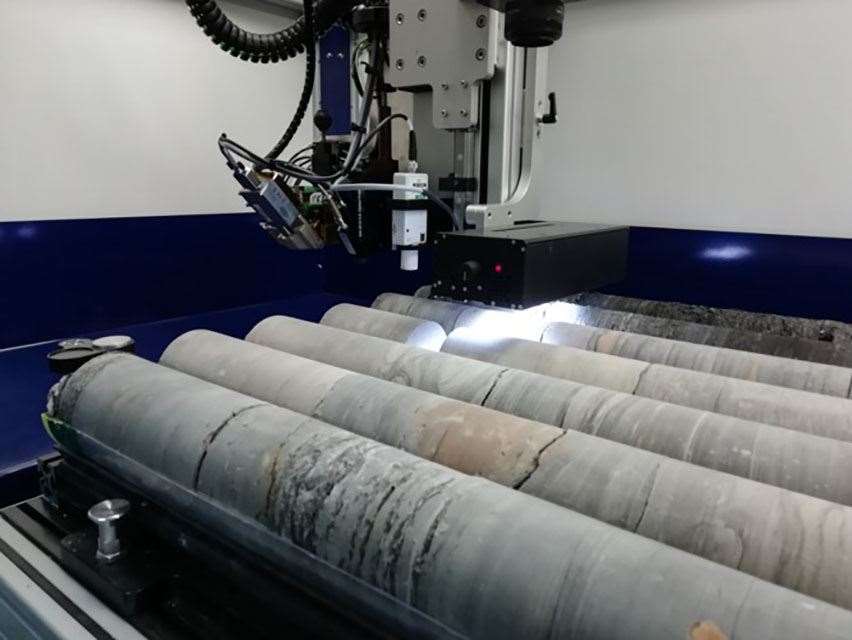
[400, 64]
[444, 113]
[463, 113]
[480, 54]
[445, 86]
[421, 15]
[109, 510]
[400, 18]
[421, 61]
[481, 21]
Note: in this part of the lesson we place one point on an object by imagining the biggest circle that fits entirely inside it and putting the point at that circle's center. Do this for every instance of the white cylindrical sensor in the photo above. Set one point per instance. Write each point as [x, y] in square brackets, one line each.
[409, 259]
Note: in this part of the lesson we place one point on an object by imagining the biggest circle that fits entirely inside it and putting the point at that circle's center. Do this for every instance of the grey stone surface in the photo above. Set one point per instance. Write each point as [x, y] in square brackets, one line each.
[487, 561]
[812, 413]
[792, 460]
[444, 313]
[413, 331]
[741, 339]
[782, 372]
[795, 409]
[836, 353]
[806, 328]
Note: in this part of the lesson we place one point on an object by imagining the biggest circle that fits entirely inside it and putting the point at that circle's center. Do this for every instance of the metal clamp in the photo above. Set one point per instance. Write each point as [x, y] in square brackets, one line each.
[523, 200]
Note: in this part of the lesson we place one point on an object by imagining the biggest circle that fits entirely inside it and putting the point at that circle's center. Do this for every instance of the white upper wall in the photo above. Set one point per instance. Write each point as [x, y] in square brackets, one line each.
[113, 108]
[710, 114]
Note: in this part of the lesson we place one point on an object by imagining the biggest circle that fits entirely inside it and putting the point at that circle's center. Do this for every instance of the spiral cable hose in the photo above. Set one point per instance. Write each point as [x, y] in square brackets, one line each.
[264, 47]
[307, 88]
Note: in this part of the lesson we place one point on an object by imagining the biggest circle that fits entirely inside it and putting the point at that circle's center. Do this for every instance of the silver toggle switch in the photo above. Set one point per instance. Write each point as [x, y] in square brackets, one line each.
[106, 515]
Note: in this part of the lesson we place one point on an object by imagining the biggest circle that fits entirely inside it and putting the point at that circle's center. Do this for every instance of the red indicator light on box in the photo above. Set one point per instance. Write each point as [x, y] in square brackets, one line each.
[498, 268]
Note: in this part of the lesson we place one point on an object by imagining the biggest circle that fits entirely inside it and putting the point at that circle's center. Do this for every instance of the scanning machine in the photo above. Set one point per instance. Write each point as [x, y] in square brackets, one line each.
[477, 76]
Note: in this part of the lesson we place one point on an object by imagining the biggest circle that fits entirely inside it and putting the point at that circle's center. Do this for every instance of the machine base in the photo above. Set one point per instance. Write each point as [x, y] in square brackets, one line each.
[175, 582]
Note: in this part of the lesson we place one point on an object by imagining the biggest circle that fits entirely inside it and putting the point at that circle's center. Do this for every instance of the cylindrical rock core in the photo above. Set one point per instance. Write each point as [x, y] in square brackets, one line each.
[790, 408]
[826, 379]
[414, 331]
[796, 461]
[683, 330]
[785, 537]
[802, 411]
[680, 330]
[487, 561]
[802, 328]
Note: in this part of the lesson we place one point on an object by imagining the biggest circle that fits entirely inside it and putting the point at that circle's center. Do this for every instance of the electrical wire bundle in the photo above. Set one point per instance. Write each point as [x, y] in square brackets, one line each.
[318, 17]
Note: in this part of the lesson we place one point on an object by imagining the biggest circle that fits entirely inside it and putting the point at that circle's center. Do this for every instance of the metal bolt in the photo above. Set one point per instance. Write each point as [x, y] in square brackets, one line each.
[400, 18]
[510, 214]
[480, 54]
[422, 15]
[463, 113]
[464, 84]
[421, 61]
[444, 113]
[400, 64]
[445, 86]
[106, 515]
[481, 21]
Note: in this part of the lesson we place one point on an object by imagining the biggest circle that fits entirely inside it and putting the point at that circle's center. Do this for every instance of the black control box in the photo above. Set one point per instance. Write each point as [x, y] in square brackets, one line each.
[528, 264]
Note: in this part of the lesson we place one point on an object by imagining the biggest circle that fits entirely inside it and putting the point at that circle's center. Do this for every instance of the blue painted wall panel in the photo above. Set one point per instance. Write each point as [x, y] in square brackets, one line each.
[63, 278]
[789, 275]
[335, 62]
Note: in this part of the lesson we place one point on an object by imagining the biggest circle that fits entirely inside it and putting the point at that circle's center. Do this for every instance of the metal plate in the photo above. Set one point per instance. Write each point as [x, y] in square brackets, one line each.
[448, 46]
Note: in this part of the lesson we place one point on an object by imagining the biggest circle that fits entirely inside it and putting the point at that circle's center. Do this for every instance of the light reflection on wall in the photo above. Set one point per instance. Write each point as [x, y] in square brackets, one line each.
[726, 253]
[26, 232]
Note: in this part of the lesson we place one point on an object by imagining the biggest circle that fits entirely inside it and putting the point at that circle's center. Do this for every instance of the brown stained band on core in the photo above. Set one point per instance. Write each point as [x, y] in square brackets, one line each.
[706, 630]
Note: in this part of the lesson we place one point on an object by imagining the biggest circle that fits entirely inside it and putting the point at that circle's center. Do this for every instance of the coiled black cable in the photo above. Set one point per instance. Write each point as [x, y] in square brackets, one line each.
[265, 47]
[307, 87]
